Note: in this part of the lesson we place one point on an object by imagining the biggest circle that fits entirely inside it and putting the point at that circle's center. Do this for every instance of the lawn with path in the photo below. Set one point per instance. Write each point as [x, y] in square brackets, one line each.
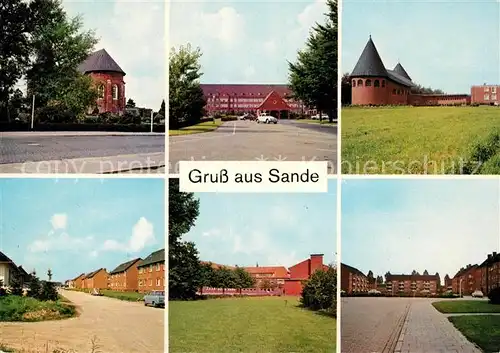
[412, 140]
[466, 306]
[249, 325]
[206, 126]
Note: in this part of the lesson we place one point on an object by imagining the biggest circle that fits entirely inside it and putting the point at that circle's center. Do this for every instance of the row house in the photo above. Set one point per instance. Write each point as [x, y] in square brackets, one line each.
[151, 272]
[490, 273]
[414, 284]
[467, 280]
[97, 279]
[353, 280]
[8, 269]
[124, 277]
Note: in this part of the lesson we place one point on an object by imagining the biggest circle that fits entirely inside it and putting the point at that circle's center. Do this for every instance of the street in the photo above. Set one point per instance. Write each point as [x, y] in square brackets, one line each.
[110, 325]
[397, 325]
[20, 149]
[250, 141]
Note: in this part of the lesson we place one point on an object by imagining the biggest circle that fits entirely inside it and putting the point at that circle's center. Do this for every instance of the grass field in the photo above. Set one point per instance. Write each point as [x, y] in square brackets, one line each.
[412, 140]
[466, 306]
[15, 308]
[484, 330]
[128, 296]
[196, 129]
[249, 325]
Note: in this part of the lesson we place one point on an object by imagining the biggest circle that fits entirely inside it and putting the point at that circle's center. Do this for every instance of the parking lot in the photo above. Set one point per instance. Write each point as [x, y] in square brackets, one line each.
[250, 141]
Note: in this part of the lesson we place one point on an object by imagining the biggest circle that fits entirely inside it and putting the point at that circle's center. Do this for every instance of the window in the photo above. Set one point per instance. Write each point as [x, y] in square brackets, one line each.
[486, 89]
[486, 97]
[150, 282]
[115, 92]
[493, 90]
[493, 97]
[140, 269]
[150, 268]
[158, 282]
[394, 91]
[360, 83]
[158, 266]
[368, 83]
[100, 91]
[376, 83]
[353, 83]
[383, 83]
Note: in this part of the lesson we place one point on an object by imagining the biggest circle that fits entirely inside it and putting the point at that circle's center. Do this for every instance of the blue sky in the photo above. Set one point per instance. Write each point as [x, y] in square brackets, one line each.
[268, 229]
[401, 225]
[450, 45]
[133, 33]
[244, 41]
[80, 225]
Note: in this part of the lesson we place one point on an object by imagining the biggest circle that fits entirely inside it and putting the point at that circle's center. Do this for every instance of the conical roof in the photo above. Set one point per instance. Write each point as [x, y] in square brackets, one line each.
[399, 69]
[369, 63]
[100, 61]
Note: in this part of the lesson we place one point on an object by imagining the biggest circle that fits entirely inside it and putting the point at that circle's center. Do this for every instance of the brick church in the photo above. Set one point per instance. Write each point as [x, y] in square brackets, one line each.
[109, 78]
[374, 84]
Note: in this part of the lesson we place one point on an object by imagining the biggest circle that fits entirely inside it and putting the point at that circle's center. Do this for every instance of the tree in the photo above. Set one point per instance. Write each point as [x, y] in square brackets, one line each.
[320, 291]
[186, 99]
[370, 274]
[224, 278]
[14, 48]
[413, 273]
[130, 103]
[185, 271]
[2, 289]
[16, 286]
[49, 275]
[243, 279]
[48, 290]
[162, 108]
[207, 276]
[387, 276]
[313, 78]
[266, 284]
[380, 279]
[35, 286]
[346, 90]
[58, 47]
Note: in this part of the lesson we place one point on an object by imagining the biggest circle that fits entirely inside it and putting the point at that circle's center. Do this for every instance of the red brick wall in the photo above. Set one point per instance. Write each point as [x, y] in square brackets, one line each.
[126, 281]
[479, 93]
[151, 277]
[381, 95]
[108, 104]
[447, 99]
[293, 287]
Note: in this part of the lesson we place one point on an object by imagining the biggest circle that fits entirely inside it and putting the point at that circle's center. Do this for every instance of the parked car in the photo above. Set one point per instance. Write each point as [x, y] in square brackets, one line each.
[316, 117]
[247, 116]
[95, 291]
[155, 298]
[266, 119]
[374, 292]
[477, 294]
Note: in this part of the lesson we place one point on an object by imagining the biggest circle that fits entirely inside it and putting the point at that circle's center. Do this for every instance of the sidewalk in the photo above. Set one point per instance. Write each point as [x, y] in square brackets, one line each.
[75, 133]
[133, 163]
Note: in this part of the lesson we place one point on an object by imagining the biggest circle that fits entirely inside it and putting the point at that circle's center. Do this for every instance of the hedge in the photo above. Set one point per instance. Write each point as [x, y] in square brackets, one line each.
[4, 126]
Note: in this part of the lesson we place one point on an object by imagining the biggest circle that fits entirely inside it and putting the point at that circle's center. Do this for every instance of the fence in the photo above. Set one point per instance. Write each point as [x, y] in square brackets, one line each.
[246, 292]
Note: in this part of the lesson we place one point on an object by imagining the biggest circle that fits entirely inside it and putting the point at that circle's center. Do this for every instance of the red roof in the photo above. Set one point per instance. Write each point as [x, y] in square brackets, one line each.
[273, 101]
[214, 265]
[277, 272]
[244, 90]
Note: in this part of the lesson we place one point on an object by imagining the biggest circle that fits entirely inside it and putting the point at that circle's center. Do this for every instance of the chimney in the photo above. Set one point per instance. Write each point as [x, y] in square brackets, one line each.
[316, 262]
[494, 253]
[490, 256]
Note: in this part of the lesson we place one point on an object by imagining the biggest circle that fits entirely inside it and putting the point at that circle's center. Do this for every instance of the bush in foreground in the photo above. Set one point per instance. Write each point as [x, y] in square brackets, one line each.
[320, 291]
[494, 296]
[16, 308]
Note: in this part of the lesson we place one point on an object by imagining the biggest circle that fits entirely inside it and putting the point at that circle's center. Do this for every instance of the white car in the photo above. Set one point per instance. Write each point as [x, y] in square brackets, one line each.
[477, 294]
[316, 117]
[266, 119]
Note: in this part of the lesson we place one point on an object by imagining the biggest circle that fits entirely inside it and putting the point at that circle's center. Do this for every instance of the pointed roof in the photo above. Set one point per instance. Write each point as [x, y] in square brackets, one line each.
[5, 258]
[100, 61]
[154, 257]
[92, 274]
[369, 63]
[273, 101]
[399, 69]
[124, 266]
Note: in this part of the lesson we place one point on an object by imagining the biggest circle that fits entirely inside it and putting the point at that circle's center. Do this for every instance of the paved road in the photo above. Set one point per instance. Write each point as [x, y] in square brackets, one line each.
[117, 326]
[398, 325]
[249, 141]
[34, 147]
[329, 129]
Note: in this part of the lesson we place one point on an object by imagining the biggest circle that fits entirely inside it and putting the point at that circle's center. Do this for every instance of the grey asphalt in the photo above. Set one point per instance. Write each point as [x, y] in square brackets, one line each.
[329, 129]
[250, 141]
[24, 147]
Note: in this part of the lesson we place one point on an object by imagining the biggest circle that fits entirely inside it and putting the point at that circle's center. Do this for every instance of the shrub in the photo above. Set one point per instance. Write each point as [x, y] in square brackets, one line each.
[54, 114]
[320, 291]
[494, 296]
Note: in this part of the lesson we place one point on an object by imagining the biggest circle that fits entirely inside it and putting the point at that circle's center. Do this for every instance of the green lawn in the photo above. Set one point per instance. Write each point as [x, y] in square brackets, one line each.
[249, 325]
[196, 129]
[466, 306]
[483, 330]
[16, 308]
[412, 140]
[128, 296]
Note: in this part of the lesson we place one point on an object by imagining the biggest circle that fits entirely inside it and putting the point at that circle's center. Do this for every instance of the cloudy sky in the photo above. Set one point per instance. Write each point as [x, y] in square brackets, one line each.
[268, 229]
[133, 33]
[245, 41]
[404, 225]
[450, 45]
[80, 225]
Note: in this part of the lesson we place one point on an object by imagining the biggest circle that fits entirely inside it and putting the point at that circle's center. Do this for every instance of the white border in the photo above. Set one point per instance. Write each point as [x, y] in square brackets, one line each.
[167, 168]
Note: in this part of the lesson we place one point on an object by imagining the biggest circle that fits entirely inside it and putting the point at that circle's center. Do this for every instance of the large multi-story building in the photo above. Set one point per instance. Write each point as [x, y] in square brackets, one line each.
[467, 280]
[352, 280]
[490, 273]
[109, 79]
[486, 94]
[151, 272]
[373, 84]
[414, 284]
[252, 98]
[125, 276]
[97, 279]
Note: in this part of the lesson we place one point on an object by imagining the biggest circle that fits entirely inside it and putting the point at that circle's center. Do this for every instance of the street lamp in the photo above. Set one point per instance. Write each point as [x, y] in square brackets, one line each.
[460, 288]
